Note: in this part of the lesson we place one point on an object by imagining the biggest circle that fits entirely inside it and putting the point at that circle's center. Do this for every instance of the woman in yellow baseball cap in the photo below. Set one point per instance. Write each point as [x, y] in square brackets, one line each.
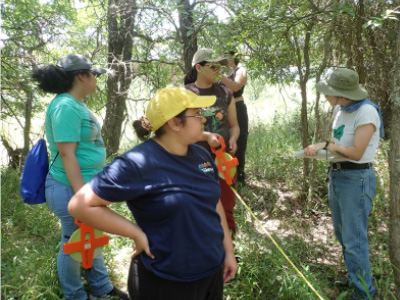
[183, 248]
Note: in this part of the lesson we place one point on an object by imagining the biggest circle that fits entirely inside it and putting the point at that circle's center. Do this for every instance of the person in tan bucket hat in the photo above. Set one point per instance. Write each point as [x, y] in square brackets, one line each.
[356, 130]
[183, 249]
[343, 83]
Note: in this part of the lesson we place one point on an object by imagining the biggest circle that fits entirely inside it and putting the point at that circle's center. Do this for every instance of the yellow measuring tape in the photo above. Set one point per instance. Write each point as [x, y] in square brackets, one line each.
[276, 244]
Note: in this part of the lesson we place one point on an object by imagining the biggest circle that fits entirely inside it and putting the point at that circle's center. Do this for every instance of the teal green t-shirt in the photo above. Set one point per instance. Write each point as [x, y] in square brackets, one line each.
[68, 120]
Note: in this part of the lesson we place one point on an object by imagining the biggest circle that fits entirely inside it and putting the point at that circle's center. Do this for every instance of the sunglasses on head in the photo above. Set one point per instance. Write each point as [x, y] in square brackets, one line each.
[95, 74]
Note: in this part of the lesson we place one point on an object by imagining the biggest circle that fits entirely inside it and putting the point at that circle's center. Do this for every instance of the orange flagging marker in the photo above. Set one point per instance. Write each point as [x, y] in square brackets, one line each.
[225, 162]
[88, 246]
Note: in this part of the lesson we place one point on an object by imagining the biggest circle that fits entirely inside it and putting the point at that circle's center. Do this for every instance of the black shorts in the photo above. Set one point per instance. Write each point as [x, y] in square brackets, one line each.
[145, 285]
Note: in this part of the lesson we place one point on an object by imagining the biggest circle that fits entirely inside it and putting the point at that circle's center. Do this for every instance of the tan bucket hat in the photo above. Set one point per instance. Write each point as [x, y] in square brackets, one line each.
[343, 83]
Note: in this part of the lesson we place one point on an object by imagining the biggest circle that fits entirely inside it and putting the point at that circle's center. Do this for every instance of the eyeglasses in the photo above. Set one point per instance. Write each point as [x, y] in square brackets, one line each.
[200, 114]
[95, 74]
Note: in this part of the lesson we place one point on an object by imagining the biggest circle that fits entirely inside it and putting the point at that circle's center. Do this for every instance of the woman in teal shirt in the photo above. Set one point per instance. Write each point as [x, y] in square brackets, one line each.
[74, 133]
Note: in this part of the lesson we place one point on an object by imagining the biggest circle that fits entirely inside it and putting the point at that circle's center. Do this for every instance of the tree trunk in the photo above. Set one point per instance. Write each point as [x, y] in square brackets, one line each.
[188, 34]
[358, 49]
[303, 51]
[317, 132]
[121, 16]
[27, 127]
[379, 79]
[13, 154]
[394, 167]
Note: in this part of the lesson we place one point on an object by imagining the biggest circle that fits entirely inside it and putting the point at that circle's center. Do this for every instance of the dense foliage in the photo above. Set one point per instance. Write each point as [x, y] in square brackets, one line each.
[150, 43]
[30, 234]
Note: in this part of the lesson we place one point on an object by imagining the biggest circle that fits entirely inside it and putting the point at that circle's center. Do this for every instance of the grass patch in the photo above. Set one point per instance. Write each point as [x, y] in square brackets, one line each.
[30, 241]
[302, 230]
[30, 235]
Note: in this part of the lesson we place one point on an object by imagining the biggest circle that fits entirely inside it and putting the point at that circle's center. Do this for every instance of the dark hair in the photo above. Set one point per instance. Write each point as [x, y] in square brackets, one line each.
[143, 131]
[191, 76]
[53, 79]
[235, 55]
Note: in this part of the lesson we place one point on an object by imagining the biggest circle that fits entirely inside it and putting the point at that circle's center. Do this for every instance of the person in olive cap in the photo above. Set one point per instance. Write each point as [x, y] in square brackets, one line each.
[356, 130]
[222, 121]
[183, 250]
[74, 135]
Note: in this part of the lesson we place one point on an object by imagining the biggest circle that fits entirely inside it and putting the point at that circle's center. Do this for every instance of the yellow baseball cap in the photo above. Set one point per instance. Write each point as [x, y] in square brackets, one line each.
[170, 102]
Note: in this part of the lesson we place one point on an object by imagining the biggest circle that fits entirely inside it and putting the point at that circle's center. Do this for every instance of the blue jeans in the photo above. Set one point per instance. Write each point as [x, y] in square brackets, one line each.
[350, 198]
[69, 270]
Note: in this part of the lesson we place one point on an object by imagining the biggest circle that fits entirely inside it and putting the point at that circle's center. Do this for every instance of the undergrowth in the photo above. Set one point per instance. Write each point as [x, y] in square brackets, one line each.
[30, 235]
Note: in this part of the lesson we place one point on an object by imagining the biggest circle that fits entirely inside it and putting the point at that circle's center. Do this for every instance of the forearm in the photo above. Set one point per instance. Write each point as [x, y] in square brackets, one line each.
[103, 218]
[234, 133]
[205, 136]
[89, 208]
[347, 152]
[354, 152]
[230, 84]
[99, 215]
[73, 171]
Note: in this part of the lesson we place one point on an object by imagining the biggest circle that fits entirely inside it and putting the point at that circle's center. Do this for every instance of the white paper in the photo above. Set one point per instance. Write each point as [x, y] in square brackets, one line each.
[321, 154]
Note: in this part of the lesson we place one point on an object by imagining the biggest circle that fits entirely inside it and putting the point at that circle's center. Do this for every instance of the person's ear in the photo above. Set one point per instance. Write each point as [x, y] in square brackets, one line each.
[174, 124]
[81, 77]
[198, 67]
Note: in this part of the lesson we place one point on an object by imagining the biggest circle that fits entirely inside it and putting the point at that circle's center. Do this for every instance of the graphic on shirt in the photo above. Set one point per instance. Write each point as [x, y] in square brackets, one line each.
[219, 116]
[95, 132]
[215, 117]
[338, 132]
[217, 121]
[207, 113]
[206, 167]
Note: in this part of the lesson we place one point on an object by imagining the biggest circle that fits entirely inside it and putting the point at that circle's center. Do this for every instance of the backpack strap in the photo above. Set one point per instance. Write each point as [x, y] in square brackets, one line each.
[58, 152]
[44, 179]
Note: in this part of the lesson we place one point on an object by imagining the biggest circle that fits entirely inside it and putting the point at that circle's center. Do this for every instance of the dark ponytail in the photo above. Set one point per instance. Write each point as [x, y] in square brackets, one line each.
[142, 128]
[55, 80]
[191, 76]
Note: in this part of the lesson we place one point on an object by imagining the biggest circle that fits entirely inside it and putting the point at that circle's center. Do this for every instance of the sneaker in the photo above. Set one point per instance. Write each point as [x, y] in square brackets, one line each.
[341, 281]
[114, 294]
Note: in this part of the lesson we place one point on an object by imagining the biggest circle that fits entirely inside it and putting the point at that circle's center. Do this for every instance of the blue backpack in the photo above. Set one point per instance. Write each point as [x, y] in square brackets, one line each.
[34, 174]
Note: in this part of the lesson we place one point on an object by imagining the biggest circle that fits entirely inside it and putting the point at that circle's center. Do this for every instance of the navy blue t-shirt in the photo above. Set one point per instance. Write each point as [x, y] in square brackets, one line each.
[173, 199]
